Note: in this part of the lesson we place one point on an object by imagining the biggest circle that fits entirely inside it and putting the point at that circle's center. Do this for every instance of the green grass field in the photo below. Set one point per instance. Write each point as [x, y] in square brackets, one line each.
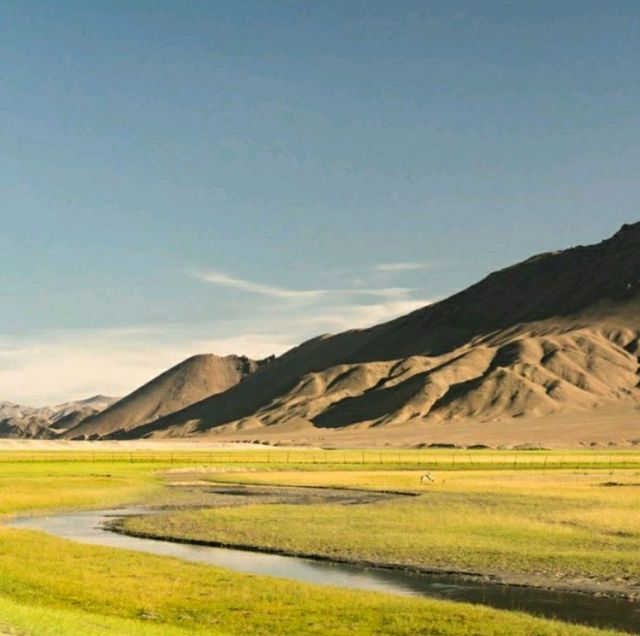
[560, 525]
[52, 586]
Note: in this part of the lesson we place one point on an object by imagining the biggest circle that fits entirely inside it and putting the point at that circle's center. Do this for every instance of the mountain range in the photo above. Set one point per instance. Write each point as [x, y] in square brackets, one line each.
[25, 422]
[543, 352]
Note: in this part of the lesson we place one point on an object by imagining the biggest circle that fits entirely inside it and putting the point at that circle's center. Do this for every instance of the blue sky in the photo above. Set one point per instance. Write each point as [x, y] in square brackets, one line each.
[235, 176]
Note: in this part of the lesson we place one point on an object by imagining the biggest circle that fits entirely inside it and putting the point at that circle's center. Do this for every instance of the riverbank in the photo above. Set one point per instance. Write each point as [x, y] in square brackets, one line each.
[585, 587]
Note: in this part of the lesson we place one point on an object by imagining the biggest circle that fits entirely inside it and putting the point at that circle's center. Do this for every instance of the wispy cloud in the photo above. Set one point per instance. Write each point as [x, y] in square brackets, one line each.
[224, 280]
[381, 292]
[329, 309]
[403, 266]
[344, 317]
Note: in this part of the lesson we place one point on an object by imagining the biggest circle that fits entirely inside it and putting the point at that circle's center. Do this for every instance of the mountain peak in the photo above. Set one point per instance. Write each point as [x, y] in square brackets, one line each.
[188, 382]
[629, 231]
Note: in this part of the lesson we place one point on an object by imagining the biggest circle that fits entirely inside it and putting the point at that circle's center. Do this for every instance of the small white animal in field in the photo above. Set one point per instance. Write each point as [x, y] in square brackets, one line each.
[426, 478]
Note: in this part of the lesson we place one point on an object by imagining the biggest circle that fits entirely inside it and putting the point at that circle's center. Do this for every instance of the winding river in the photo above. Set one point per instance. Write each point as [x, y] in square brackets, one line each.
[89, 527]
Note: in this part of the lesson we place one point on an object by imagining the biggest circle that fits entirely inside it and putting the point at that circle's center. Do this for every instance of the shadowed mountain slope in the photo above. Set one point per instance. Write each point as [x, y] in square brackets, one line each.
[27, 427]
[556, 333]
[188, 382]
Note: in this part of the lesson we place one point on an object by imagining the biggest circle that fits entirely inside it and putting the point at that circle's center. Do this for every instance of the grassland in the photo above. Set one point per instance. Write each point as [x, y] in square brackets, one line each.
[570, 528]
[355, 460]
[36, 485]
[53, 587]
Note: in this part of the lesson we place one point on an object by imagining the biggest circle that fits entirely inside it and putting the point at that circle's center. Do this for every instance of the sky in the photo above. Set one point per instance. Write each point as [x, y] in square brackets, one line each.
[235, 176]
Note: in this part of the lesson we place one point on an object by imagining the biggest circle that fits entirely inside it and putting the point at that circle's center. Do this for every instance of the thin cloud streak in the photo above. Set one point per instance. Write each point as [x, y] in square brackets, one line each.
[224, 280]
[400, 267]
[383, 292]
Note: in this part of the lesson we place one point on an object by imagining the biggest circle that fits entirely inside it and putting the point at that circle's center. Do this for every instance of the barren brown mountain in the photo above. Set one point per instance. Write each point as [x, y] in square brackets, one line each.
[190, 381]
[551, 342]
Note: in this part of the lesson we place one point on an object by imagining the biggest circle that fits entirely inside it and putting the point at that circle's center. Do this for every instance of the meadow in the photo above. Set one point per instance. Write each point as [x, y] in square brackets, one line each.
[52, 586]
[572, 527]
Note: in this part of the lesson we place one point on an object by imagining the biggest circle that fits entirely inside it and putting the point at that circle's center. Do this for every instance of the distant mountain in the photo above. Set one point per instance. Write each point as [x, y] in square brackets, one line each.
[25, 427]
[71, 414]
[91, 405]
[556, 334]
[11, 410]
[190, 381]
[19, 421]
